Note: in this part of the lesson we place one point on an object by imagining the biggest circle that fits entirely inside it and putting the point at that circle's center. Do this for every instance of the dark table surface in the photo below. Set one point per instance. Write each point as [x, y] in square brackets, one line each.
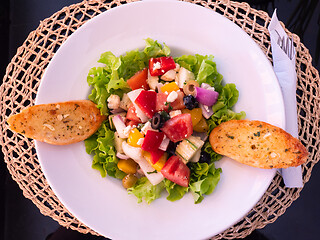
[21, 219]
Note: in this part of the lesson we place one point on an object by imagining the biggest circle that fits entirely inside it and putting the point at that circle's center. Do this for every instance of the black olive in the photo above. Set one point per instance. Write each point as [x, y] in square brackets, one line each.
[204, 157]
[171, 149]
[159, 119]
[164, 116]
[156, 121]
[190, 102]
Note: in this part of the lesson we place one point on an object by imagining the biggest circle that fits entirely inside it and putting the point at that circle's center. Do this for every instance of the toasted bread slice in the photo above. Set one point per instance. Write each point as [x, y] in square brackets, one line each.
[257, 144]
[58, 123]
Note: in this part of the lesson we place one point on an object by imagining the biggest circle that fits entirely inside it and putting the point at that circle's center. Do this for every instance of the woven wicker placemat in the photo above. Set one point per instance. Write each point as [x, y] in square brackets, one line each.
[23, 75]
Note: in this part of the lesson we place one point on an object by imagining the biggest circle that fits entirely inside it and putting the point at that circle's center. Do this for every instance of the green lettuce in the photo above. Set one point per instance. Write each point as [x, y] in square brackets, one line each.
[174, 190]
[112, 78]
[155, 49]
[222, 109]
[144, 190]
[101, 145]
[203, 67]
[228, 97]
[203, 179]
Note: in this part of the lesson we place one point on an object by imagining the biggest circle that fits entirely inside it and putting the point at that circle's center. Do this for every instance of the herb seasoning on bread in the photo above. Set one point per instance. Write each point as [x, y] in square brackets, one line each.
[58, 123]
[257, 144]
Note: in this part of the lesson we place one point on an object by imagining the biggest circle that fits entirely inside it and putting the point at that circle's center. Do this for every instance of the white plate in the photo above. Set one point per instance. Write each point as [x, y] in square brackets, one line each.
[102, 203]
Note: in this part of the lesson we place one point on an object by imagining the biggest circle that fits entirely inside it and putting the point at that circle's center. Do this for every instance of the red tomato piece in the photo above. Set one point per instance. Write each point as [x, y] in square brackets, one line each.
[160, 65]
[131, 114]
[146, 101]
[152, 141]
[156, 155]
[176, 171]
[162, 100]
[139, 80]
[132, 123]
[178, 127]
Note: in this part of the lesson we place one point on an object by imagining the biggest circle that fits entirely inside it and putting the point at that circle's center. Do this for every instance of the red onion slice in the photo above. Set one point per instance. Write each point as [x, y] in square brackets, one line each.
[164, 144]
[121, 156]
[206, 111]
[206, 97]
[202, 135]
[119, 125]
[116, 111]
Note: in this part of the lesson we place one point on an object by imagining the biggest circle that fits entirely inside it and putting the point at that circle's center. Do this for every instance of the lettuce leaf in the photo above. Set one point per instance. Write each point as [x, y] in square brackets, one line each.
[224, 115]
[228, 97]
[155, 49]
[213, 155]
[203, 67]
[144, 190]
[112, 78]
[175, 191]
[203, 180]
[101, 145]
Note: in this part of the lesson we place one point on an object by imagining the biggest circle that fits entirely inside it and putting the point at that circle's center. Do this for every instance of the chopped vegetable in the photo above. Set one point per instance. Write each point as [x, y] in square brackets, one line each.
[178, 127]
[169, 87]
[134, 138]
[196, 115]
[132, 114]
[188, 148]
[176, 171]
[206, 111]
[163, 105]
[119, 125]
[127, 165]
[152, 140]
[206, 97]
[184, 76]
[133, 96]
[201, 126]
[159, 66]
[139, 80]
[146, 101]
[156, 158]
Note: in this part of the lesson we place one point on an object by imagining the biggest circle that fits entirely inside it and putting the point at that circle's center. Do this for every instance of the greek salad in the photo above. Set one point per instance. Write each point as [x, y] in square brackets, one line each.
[160, 111]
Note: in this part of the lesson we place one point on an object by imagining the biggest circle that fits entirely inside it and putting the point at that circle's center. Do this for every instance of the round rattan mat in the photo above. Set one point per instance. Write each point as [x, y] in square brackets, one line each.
[23, 76]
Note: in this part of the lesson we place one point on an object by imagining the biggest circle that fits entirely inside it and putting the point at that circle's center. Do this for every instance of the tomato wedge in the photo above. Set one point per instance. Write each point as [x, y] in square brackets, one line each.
[131, 114]
[160, 65]
[176, 171]
[162, 102]
[132, 123]
[139, 80]
[178, 127]
[146, 101]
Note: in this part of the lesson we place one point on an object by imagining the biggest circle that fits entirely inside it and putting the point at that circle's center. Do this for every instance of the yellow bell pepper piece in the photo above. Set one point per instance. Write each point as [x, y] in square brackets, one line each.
[127, 165]
[158, 165]
[169, 87]
[201, 126]
[134, 137]
[196, 115]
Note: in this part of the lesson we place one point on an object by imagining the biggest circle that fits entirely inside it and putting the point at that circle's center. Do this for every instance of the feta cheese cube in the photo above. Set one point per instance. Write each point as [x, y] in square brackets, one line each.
[174, 113]
[113, 101]
[146, 127]
[169, 75]
[172, 96]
